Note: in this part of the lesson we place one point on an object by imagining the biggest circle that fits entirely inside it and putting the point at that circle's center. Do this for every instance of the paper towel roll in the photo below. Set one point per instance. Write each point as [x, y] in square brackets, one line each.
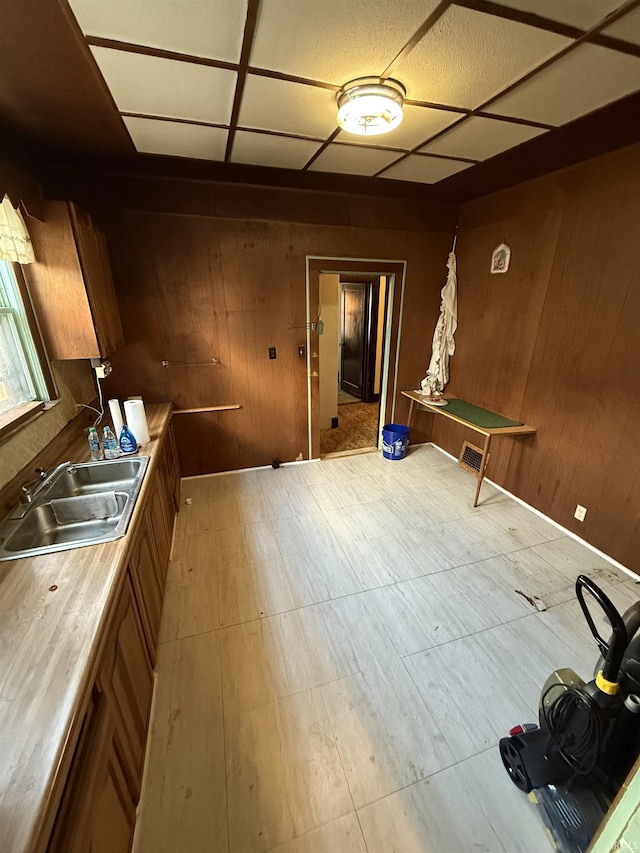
[136, 419]
[116, 417]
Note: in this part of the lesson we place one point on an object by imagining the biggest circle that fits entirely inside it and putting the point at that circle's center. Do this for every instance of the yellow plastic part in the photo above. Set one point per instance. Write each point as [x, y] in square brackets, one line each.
[610, 687]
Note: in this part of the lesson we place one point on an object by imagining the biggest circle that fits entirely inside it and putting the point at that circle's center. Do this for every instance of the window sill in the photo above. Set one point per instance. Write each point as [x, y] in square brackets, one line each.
[19, 416]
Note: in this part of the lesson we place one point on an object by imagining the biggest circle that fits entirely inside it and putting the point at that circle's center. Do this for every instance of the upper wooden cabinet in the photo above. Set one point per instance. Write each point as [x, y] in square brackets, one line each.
[71, 284]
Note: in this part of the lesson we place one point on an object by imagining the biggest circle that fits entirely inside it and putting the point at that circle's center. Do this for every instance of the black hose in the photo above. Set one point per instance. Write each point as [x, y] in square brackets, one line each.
[575, 726]
[612, 651]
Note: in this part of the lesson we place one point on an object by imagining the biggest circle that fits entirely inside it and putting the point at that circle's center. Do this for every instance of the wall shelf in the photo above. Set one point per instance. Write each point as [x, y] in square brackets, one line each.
[207, 409]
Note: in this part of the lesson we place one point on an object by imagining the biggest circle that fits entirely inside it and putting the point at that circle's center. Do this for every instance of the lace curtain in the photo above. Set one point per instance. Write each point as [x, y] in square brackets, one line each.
[15, 243]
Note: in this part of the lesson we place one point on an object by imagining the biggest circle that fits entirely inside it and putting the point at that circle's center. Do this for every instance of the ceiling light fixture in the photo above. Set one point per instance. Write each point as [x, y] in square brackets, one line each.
[370, 106]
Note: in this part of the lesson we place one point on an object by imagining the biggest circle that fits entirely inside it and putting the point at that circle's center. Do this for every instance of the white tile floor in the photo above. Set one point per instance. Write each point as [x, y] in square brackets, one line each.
[343, 643]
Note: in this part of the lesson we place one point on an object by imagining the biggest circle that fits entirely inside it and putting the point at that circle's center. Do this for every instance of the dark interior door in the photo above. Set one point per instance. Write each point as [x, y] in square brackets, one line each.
[355, 316]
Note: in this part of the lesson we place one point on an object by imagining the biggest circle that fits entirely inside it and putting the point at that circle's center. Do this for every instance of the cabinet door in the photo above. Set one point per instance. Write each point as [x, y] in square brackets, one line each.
[57, 287]
[146, 575]
[71, 284]
[173, 468]
[161, 517]
[125, 677]
[98, 812]
[96, 269]
[113, 820]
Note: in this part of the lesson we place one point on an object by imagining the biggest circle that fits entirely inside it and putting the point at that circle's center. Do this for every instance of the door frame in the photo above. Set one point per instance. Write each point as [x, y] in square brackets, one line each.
[395, 270]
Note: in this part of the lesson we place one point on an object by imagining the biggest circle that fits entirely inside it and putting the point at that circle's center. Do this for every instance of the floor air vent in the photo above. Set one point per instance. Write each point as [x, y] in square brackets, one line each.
[471, 458]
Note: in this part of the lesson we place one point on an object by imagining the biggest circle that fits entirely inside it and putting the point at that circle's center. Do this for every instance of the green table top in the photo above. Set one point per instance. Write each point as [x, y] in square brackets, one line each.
[478, 416]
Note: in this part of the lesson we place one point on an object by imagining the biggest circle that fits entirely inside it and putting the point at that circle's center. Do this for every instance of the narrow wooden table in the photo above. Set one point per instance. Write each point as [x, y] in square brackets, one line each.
[512, 428]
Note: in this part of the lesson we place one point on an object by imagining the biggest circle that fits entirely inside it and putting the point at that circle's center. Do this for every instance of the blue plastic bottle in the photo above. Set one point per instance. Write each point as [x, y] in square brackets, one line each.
[128, 443]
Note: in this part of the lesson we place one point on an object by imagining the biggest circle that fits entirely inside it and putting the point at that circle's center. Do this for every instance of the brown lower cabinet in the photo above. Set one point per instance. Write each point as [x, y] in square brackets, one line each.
[148, 582]
[161, 514]
[172, 469]
[98, 807]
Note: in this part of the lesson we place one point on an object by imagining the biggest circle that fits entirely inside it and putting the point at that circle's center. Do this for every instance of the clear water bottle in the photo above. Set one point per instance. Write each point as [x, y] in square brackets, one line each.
[109, 443]
[94, 445]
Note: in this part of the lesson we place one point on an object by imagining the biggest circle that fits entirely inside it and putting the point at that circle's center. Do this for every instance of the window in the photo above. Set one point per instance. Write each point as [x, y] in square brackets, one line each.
[22, 380]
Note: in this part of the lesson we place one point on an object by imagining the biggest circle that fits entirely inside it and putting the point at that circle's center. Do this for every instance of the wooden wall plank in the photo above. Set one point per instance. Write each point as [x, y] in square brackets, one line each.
[555, 342]
[329, 205]
[498, 322]
[193, 287]
[207, 440]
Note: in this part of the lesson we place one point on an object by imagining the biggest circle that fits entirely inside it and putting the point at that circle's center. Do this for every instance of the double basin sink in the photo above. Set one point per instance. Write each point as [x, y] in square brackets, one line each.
[76, 505]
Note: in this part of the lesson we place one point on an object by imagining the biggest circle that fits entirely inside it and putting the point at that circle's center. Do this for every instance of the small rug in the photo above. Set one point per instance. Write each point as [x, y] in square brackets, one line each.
[344, 397]
[357, 427]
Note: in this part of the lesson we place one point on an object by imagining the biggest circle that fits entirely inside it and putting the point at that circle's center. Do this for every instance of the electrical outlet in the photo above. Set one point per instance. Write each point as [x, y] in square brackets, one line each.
[580, 512]
[102, 368]
[272, 352]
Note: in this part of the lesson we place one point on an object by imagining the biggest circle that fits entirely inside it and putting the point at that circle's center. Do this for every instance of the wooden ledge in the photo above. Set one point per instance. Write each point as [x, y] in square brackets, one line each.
[18, 416]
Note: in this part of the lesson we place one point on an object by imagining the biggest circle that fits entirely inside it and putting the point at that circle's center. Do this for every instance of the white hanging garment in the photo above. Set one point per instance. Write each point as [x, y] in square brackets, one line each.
[443, 342]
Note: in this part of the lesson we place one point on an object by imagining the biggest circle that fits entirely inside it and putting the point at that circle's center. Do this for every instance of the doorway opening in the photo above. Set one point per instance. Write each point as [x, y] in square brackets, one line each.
[353, 343]
[350, 394]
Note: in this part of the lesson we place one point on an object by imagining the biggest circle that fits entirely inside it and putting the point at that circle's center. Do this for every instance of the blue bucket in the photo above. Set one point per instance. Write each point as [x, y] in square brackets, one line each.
[395, 438]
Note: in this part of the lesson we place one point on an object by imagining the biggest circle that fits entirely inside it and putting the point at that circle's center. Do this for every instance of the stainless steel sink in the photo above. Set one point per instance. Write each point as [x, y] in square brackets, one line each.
[110, 476]
[39, 530]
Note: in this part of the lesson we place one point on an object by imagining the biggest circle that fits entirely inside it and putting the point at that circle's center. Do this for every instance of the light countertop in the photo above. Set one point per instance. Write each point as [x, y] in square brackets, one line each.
[54, 610]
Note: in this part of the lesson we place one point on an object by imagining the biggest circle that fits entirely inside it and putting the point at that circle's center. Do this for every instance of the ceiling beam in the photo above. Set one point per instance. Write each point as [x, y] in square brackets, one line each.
[253, 7]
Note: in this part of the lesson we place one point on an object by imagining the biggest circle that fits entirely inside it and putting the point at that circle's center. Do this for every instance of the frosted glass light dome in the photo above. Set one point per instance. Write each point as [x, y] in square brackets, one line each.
[369, 106]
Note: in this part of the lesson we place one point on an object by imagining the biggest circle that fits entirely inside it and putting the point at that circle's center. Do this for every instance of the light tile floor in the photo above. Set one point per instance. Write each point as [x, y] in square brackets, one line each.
[342, 645]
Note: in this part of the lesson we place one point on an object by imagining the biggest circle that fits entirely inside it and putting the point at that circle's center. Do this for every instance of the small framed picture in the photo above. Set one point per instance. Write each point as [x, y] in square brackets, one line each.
[500, 258]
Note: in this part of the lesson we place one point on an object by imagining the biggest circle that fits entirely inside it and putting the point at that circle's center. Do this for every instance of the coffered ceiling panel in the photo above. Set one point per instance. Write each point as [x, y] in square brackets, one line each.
[165, 87]
[352, 160]
[425, 170]
[211, 29]
[266, 150]
[626, 28]
[480, 138]
[583, 14]
[418, 125]
[155, 136]
[334, 40]
[468, 57]
[585, 79]
[274, 102]
[279, 105]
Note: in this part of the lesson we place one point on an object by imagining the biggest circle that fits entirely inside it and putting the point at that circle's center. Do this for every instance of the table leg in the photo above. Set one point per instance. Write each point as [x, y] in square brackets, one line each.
[411, 407]
[483, 465]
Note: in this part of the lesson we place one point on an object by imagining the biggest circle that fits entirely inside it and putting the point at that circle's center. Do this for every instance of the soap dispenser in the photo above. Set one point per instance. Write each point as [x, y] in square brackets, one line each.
[128, 443]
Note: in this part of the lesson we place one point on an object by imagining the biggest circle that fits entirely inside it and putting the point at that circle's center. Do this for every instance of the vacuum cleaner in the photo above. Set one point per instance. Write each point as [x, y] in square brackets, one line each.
[574, 760]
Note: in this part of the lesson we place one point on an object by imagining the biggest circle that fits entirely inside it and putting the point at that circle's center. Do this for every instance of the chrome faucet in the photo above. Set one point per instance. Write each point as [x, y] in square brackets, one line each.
[29, 490]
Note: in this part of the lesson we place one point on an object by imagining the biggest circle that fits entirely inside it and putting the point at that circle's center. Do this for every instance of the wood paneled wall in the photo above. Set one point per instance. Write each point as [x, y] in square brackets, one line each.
[195, 287]
[21, 188]
[555, 342]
